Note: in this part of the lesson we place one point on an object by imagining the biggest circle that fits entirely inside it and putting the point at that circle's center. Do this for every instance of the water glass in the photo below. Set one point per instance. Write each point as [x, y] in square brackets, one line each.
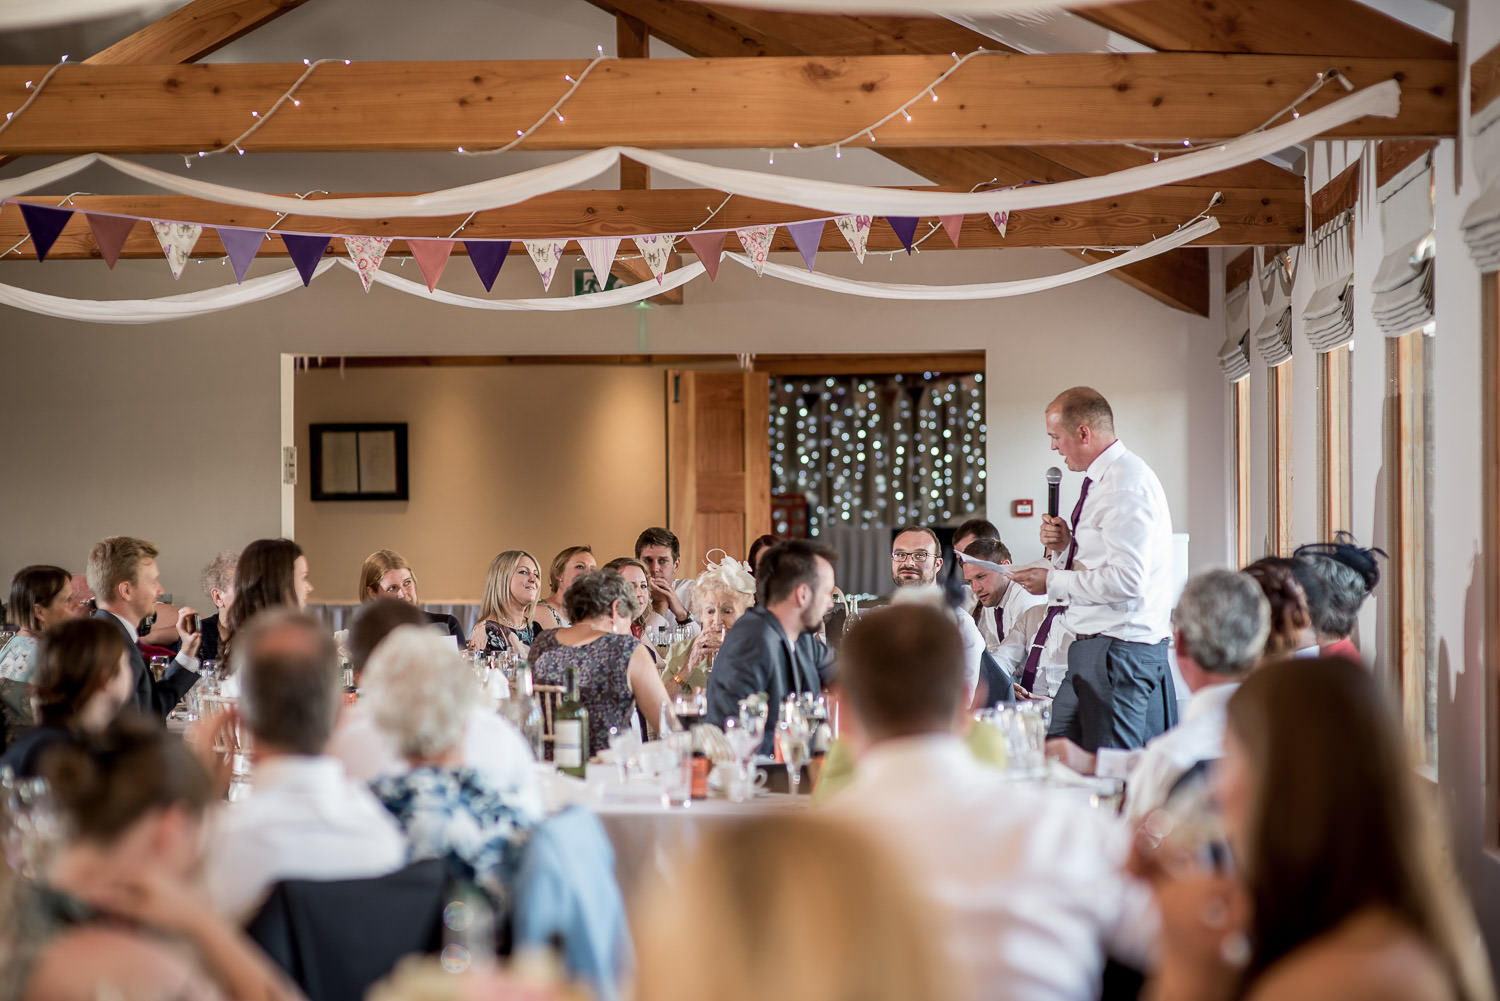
[626, 746]
[676, 773]
[754, 714]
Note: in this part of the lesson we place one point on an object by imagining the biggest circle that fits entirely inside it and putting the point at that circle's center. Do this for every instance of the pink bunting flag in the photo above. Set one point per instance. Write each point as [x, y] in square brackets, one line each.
[110, 232]
[545, 254]
[657, 250]
[951, 225]
[241, 245]
[177, 240]
[709, 247]
[856, 230]
[806, 235]
[1000, 219]
[367, 252]
[45, 224]
[757, 243]
[432, 258]
[600, 251]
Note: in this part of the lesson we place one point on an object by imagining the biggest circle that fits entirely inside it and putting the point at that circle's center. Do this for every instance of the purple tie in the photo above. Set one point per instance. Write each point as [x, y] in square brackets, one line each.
[1034, 657]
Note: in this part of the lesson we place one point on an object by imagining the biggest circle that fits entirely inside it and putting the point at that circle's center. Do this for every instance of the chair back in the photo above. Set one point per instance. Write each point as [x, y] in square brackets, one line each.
[550, 696]
[336, 938]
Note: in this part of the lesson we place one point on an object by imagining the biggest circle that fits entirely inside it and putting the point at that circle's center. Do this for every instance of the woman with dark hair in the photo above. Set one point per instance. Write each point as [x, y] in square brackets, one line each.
[1340, 890]
[83, 677]
[567, 566]
[757, 547]
[272, 573]
[118, 914]
[40, 596]
[1291, 626]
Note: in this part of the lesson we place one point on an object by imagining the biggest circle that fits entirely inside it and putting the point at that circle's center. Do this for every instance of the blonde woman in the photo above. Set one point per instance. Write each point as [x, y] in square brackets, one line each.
[794, 908]
[721, 595]
[511, 590]
[386, 574]
[567, 566]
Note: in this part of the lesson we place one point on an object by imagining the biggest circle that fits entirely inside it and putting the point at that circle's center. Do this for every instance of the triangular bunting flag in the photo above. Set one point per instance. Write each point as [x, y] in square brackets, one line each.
[306, 251]
[177, 240]
[367, 252]
[487, 256]
[905, 227]
[432, 258]
[806, 236]
[709, 247]
[44, 223]
[757, 243]
[545, 254]
[951, 225]
[599, 251]
[657, 250]
[856, 230]
[241, 245]
[110, 232]
[1000, 219]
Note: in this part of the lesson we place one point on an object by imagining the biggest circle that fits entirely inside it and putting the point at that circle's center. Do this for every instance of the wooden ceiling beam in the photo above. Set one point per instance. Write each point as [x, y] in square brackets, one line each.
[701, 103]
[192, 31]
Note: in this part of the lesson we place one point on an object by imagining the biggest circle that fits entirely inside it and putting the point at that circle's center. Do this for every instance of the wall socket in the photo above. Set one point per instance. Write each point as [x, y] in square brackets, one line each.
[289, 465]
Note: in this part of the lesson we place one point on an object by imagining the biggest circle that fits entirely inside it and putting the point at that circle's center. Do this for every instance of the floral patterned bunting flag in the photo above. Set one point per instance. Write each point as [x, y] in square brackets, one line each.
[856, 229]
[367, 252]
[1000, 219]
[545, 254]
[757, 243]
[177, 240]
[657, 250]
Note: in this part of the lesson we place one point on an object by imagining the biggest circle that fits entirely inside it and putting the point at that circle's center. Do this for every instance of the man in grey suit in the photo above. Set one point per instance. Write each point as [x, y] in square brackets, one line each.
[774, 647]
[126, 582]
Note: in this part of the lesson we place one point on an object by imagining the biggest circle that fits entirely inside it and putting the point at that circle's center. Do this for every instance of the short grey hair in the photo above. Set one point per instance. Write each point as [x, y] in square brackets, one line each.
[593, 594]
[1223, 618]
[219, 572]
[1335, 593]
[419, 691]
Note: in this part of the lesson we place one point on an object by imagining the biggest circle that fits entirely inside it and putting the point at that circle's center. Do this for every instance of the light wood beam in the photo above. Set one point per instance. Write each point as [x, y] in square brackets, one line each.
[700, 104]
[192, 31]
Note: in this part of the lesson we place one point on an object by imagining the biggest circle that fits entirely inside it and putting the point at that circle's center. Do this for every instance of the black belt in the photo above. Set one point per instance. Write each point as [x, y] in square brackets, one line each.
[1106, 636]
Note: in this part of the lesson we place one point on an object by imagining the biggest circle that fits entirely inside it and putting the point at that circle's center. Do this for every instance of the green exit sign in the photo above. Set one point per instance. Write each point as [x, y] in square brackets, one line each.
[586, 282]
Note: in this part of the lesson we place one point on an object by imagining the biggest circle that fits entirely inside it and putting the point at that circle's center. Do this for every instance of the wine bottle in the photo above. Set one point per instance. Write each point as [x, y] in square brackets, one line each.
[570, 728]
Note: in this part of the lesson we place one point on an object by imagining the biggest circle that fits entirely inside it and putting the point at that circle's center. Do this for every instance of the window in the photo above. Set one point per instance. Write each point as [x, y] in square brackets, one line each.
[1241, 425]
[1408, 448]
[1279, 525]
[1333, 442]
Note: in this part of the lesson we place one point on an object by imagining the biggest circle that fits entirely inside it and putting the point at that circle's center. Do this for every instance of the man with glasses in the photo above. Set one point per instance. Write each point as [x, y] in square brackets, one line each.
[915, 562]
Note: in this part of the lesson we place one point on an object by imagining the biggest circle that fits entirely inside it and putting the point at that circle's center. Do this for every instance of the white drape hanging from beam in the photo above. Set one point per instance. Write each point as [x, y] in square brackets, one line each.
[1273, 338]
[1234, 355]
[1328, 320]
[1403, 283]
[1482, 221]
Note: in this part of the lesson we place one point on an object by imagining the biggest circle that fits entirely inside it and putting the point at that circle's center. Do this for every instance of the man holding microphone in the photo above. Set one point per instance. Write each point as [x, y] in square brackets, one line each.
[1110, 583]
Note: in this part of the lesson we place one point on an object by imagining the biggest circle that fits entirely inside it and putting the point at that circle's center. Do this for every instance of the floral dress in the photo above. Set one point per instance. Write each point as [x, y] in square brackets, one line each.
[603, 680]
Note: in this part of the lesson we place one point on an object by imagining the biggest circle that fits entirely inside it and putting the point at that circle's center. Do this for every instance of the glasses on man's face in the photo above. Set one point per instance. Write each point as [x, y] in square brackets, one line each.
[919, 558]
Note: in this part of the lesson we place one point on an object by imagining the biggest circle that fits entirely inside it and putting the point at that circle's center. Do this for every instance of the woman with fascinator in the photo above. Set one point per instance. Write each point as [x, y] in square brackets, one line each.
[722, 594]
[1337, 577]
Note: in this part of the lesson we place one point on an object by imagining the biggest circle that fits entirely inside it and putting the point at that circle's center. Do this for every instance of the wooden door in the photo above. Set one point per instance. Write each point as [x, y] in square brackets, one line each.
[718, 462]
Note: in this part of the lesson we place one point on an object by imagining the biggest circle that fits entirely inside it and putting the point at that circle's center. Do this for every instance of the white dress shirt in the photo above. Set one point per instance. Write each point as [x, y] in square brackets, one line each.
[304, 819]
[1026, 880]
[973, 651]
[1121, 584]
[492, 746]
[1013, 603]
[1167, 757]
[1053, 665]
[183, 660]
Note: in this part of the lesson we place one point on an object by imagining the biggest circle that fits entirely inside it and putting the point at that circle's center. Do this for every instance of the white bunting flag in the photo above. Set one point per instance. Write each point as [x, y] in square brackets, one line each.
[177, 240]
[657, 250]
[1000, 219]
[599, 251]
[856, 230]
[545, 254]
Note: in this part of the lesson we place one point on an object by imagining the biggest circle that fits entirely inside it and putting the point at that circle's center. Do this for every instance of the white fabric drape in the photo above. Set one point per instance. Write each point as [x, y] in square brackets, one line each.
[1403, 283]
[1482, 221]
[1382, 100]
[1234, 355]
[925, 8]
[1328, 320]
[1273, 338]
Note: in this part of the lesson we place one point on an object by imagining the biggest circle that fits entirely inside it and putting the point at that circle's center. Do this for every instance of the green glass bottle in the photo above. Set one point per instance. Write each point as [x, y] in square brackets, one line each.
[570, 727]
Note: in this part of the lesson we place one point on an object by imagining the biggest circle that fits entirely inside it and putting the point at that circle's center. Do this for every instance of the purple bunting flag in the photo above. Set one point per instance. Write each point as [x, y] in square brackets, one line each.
[306, 250]
[110, 232]
[241, 245]
[487, 256]
[806, 235]
[709, 247]
[45, 224]
[905, 228]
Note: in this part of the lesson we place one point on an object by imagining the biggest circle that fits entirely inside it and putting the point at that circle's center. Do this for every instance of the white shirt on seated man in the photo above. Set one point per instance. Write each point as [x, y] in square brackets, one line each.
[304, 817]
[1027, 880]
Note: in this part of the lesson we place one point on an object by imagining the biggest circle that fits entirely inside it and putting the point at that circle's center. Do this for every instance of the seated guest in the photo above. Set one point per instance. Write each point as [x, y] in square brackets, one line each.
[40, 596]
[615, 670]
[120, 914]
[1219, 628]
[972, 531]
[774, 647]
[1034, 920]
[491, 744]
[510, 594]
[82, 679]
[999, 601]
[760, 545]
[83, 594]
[421, 694]
[271, 573]
[218, 583]
[916, 558]
[721, 595]
[1291, 625]
[386, 574]
[567, 566]
[126, 583]
[304, 818]
[795, 908]
[646, 620]
[661, 554]
[1340, 890]
[1337, 577]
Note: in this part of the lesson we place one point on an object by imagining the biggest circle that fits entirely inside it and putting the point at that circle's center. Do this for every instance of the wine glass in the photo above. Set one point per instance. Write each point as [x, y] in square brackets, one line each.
[794, 732]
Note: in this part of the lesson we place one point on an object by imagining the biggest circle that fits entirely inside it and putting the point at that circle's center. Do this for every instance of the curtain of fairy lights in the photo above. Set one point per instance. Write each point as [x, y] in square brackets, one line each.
[879, 451]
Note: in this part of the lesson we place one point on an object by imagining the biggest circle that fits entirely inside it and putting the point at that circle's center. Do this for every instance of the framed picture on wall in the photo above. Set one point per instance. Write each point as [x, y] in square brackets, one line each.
[358, 462]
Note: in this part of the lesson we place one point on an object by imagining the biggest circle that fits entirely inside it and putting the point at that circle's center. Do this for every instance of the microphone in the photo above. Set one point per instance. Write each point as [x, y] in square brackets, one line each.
[1054, 488]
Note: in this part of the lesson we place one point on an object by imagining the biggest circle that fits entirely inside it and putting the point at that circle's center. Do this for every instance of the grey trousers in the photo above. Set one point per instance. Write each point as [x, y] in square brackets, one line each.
[1115, 694]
